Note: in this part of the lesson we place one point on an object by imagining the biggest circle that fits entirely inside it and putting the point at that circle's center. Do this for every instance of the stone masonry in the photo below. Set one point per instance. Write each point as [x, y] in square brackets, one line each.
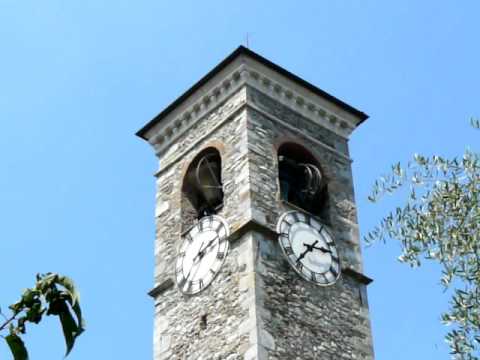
[257, 307]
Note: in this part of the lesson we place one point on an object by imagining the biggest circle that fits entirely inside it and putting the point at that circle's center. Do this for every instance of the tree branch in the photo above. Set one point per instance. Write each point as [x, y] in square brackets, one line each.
[8, 321]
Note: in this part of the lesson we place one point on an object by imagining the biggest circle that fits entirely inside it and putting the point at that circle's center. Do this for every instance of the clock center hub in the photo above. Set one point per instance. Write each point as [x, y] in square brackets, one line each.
[308, 242]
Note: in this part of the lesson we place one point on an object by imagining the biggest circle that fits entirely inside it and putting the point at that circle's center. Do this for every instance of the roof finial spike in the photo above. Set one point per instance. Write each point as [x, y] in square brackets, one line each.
[246, 40]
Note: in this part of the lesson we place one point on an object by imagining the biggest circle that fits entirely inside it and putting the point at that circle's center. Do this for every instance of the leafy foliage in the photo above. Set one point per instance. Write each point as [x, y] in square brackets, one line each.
[441, 222]
[53, 294]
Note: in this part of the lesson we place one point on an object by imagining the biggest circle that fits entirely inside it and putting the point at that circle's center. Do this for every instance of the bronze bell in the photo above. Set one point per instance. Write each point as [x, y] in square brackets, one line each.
[203, 186]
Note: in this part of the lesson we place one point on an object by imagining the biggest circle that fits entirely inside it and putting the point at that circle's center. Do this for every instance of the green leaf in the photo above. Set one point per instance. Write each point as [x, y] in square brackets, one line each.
[21, 324]
[17, 307]
[55, 304]
[81, 321]
[69, 326]
[17, 347]
[68, 284]
[34, 314]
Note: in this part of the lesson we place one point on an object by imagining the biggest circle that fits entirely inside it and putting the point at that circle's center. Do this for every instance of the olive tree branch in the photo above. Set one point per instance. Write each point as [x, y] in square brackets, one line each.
[7, 321]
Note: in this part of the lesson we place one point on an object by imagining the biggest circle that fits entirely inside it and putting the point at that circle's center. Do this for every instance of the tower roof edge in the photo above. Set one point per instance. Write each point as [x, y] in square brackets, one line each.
[239, 51]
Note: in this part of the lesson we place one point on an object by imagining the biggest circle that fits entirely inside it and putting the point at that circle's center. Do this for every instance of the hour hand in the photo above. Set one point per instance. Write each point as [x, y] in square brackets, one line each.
[200, 253]
[302, 255]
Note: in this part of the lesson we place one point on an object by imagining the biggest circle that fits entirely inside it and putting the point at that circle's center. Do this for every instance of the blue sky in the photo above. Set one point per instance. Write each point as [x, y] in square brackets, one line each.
[78, 78]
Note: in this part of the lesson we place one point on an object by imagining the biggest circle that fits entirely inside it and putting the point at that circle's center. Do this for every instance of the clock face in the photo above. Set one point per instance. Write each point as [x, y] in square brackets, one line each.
[309, 247]
[201, 254]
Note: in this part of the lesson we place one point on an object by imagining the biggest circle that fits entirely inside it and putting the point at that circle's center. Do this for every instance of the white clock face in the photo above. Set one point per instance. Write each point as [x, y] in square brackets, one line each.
[309, 247]
[201, 255]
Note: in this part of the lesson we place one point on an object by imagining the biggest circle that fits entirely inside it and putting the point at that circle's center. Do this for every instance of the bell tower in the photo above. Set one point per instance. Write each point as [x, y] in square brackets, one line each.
[257, 252]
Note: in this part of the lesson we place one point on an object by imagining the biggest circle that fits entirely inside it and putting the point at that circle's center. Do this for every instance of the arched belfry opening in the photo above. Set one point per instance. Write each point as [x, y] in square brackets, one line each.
[202, 191]
[302, 181]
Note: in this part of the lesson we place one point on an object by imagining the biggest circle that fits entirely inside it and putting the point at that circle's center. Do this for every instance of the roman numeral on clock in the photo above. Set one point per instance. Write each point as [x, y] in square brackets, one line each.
[217, 227]
[295, 217]
[324, 279]
[288, 250]
[182, 282]
[299, 266]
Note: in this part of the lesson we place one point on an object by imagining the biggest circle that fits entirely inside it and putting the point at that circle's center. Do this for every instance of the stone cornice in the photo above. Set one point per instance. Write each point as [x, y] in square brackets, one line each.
[160, 288]
[299, 100]
[173, 127]
[232, 113]
[357, 276]
[309, 105]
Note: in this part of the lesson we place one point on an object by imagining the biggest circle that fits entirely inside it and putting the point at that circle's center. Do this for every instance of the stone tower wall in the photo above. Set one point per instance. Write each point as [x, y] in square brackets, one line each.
[271, 124]
[257, 307]
[297, 319]
[217, 323]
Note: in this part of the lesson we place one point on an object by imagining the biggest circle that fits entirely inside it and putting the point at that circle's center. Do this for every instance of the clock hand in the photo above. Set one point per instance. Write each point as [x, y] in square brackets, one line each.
[190, 271]
[322, 249]
[302, 255]
[210, 243]
[309, 249]
[195, 273]
[201, 252]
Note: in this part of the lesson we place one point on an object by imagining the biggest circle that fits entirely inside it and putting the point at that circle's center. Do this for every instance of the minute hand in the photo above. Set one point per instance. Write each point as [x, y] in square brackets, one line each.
[201, 252]
[322, 249]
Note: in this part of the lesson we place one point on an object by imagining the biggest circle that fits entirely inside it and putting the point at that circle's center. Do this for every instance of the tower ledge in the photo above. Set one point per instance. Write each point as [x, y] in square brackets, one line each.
[245, 67]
